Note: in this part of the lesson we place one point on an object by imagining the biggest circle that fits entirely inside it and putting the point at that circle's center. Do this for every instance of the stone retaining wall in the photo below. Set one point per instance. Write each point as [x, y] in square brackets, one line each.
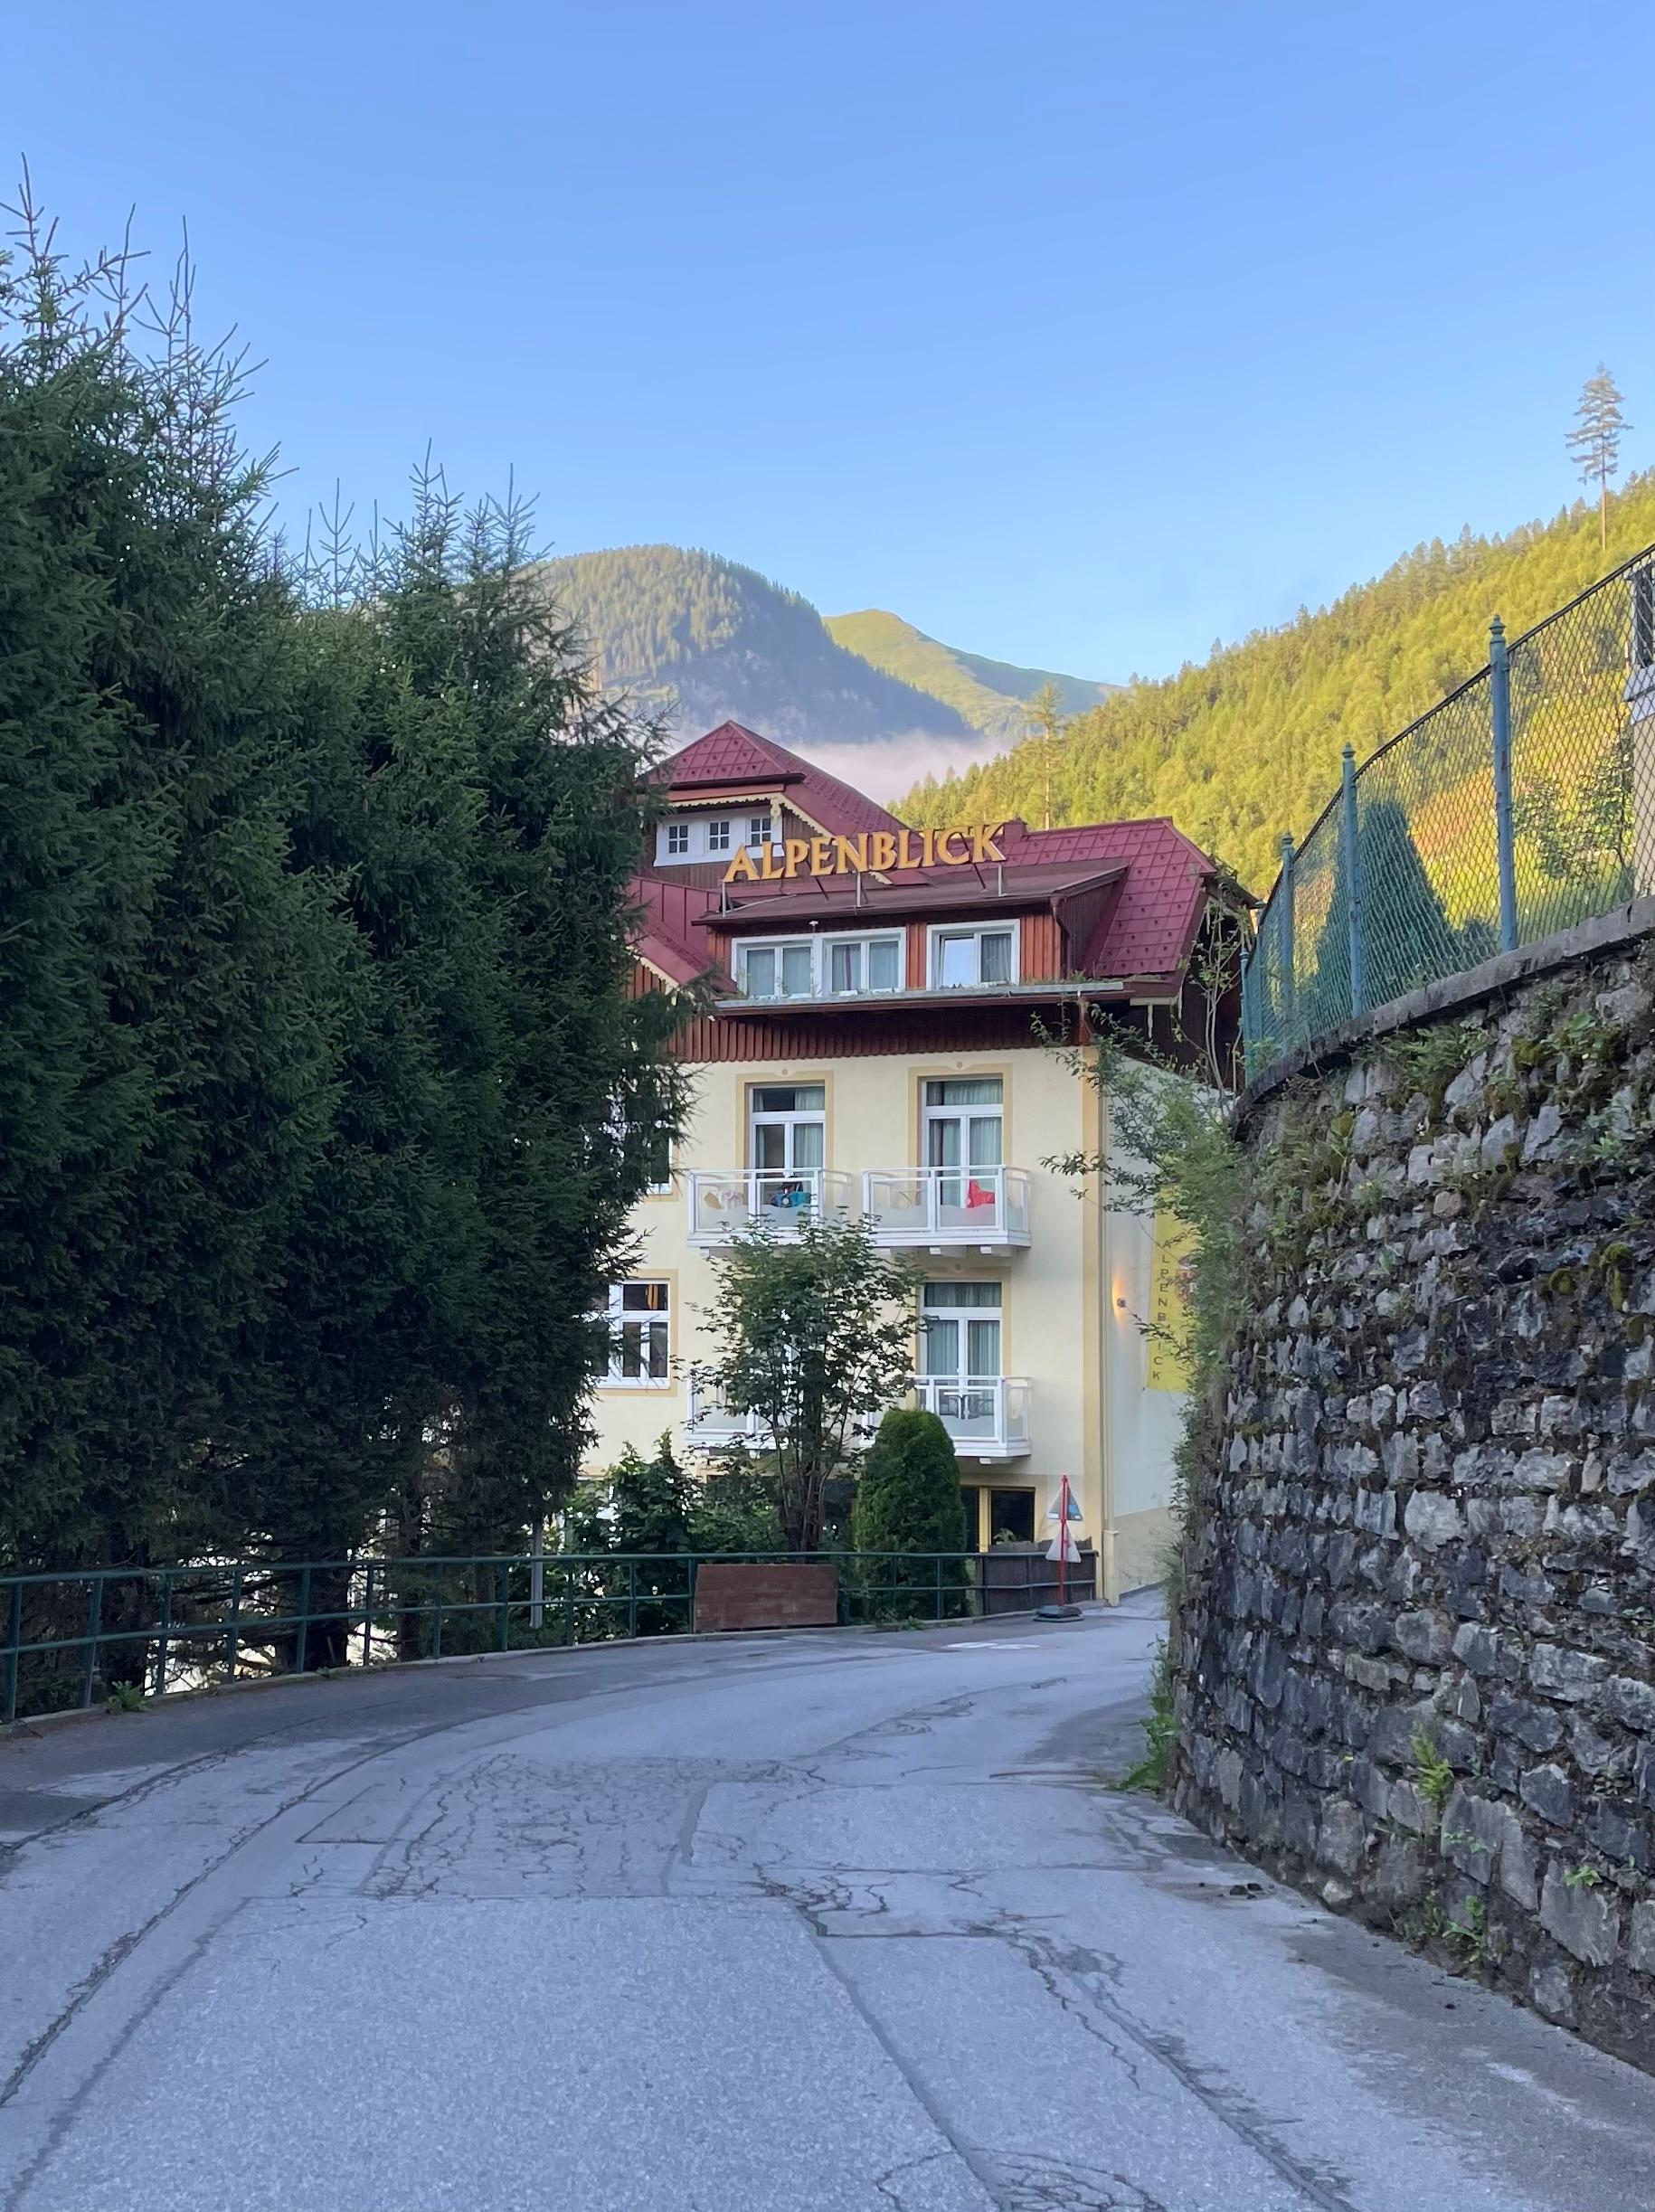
[1416, 1656]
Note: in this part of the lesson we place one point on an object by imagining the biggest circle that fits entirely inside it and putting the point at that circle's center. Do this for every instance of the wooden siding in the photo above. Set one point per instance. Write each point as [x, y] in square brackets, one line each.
[896, 1030]
[1041, 948]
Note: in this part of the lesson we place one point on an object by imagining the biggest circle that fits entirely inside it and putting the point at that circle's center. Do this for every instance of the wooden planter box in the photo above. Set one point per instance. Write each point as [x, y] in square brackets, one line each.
[788, 1594]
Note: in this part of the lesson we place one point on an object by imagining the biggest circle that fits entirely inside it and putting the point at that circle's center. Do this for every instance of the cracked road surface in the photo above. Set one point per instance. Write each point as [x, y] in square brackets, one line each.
[810, 1923]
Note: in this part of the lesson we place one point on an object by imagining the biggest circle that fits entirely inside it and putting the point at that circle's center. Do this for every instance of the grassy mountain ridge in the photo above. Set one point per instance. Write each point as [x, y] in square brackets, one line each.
[1245, 745]
[987, 693]
[705, 638]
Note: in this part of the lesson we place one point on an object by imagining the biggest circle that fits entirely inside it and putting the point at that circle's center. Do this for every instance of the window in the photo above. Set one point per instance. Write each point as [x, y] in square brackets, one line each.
[963, 957]
[718, 836]
[863, 964]
[961, 1331]
[777, 971]
[637, 1319]
[758, 832]
[677, 840]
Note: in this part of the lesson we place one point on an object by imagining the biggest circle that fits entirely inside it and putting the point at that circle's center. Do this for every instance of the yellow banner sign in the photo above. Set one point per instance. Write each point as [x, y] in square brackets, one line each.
[875, 852]
[1171, 1303]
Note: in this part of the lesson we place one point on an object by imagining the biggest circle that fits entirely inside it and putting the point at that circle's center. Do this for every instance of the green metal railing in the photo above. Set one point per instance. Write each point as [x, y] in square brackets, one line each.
[73, 1638]
[1521, 804]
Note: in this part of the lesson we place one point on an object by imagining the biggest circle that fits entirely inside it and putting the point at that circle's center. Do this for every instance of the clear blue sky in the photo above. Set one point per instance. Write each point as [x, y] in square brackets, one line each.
[1078, 332]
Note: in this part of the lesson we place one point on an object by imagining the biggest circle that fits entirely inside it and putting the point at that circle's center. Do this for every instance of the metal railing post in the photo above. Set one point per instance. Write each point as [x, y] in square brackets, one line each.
[631, 1595]
[166, 1635]
[367, 1616]
[94, 1624]
[437, 1615]
[14, 1655]
[1500, 700]
[1353, 917]
[232, 1631]
[1284, 892]
[301, 1646]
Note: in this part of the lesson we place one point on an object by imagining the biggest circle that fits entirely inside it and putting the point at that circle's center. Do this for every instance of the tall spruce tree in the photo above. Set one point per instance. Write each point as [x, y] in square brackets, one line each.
[323, 1096]
[1594, 445]
[169, 984]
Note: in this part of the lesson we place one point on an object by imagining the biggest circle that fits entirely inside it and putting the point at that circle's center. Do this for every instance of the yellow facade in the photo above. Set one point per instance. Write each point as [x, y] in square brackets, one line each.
[1072, 1302]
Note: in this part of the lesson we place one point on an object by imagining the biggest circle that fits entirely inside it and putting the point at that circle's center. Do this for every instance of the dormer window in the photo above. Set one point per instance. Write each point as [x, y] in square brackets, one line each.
[718, 836]
[677, 840]
[963, 959]
[758, 832]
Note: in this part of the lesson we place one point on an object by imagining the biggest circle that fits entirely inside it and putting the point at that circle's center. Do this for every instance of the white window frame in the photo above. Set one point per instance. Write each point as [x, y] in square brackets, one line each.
[758, 830]
[666, 849]
[746, 947]
[717, 837]
[864, 938]
[976, 931]
[615, 1316]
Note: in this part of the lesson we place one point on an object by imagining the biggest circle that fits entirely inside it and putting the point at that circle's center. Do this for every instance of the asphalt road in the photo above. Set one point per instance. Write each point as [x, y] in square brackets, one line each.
[810, 1923]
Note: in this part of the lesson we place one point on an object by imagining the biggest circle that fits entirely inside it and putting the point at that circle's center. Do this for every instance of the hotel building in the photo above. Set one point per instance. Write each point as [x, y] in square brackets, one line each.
[879, 1043]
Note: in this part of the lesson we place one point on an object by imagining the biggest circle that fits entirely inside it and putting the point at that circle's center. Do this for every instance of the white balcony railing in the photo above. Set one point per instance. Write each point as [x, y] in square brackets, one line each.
[725, 1202]
[941, 1206]
[713, 1422]
[988, 1419]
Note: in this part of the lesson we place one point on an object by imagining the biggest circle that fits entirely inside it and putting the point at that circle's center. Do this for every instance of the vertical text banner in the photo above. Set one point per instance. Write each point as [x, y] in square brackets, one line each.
[1171, 1302]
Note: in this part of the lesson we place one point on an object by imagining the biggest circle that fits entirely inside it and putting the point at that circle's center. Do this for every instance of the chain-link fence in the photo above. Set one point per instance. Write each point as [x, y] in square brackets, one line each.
[1521, 803]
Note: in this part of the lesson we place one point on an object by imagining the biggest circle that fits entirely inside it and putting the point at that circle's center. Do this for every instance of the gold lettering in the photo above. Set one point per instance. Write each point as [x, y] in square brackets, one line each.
[740, 869]
[821, 856]
[797, 851]
[882, 852]
[768, 870]
[850, 854]
[905, 848]
[929, 859]
[983, 845]
[950, 858]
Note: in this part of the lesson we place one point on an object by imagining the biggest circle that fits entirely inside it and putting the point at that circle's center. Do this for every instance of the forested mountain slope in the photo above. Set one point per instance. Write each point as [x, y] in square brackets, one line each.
[1246, 745]
[989, 693]
[721, 640]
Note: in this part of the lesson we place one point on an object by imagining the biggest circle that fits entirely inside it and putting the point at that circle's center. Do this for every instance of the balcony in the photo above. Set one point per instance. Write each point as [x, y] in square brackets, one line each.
[944, 1209]
[712, 1424]
[726, 1202]
[988, 1419]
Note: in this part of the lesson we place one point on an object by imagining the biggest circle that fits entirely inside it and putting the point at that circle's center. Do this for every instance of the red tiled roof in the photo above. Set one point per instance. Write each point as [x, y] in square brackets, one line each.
[1145, 928]
[1151, 928]
[731, 754]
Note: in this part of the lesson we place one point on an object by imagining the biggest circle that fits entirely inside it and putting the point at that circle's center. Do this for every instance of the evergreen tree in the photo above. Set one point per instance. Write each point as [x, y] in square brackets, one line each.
[908, 1500]
[1045, 712]
[171, 1006]
[1596, 445]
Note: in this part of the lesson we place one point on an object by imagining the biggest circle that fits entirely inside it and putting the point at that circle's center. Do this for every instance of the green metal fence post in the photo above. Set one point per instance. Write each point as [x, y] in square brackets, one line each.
[503, 1600]
[94, 1622]
[166, 1635]
[1284, 892]
[1353, 880]
[1500, 701]
[301, 1650]
[568, 1605]
[233, 1629]
[436, 1616]
[939, 1566]
[14, 1638]
[631, 1595]
[367, 1617]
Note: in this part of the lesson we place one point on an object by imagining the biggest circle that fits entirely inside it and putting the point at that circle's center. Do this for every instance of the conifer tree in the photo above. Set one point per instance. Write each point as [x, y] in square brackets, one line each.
[1596, 445]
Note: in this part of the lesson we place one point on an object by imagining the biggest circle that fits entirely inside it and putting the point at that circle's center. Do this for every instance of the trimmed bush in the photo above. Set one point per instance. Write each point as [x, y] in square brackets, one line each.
[908, 1500]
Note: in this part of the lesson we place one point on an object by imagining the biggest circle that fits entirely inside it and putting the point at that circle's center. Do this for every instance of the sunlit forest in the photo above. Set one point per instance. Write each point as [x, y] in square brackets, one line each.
[1245, 745]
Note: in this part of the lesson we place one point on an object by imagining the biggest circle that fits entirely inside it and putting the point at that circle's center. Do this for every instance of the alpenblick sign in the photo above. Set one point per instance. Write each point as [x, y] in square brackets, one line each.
[873, 853]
